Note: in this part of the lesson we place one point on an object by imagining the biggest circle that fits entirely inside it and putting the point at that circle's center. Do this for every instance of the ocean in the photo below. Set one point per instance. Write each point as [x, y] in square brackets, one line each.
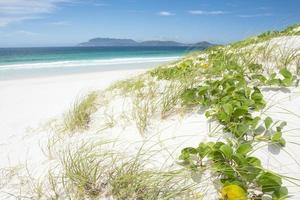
[46, 61]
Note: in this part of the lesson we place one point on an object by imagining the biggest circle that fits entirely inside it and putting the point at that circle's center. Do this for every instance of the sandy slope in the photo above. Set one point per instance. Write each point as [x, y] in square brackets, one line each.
[29, 103]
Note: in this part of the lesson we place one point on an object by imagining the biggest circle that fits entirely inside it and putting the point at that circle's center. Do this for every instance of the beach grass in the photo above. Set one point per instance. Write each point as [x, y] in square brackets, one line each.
[86, 169]
[79, 116]
[133, 181]
[93, 170]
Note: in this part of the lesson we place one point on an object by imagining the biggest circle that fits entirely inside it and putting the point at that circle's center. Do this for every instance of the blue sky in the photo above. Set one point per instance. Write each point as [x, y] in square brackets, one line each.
[68, 22]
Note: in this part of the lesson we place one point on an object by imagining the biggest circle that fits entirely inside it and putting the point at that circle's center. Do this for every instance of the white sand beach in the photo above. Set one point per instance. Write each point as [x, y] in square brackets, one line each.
[29, 103]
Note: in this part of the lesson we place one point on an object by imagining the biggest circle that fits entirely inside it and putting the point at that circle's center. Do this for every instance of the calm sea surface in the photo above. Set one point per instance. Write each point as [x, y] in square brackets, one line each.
[27, 62]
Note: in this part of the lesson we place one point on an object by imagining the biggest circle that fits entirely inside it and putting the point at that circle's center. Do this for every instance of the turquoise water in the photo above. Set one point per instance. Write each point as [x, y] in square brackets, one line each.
[28, 62]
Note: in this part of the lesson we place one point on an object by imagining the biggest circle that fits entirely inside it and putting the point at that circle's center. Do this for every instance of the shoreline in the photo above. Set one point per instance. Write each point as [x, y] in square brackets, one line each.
[80, 62]
[42, 70]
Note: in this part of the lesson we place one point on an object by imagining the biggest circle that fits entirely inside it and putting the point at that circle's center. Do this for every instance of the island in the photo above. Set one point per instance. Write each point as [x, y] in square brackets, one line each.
[111, 42]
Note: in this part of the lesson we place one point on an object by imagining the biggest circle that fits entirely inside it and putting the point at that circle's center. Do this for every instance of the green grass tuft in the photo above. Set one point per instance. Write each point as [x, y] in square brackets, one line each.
[132, 181]
[79, 117]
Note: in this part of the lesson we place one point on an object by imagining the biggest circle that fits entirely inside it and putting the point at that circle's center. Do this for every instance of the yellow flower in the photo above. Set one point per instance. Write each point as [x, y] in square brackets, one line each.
[198, 196]
[233, 192]
[205, 65]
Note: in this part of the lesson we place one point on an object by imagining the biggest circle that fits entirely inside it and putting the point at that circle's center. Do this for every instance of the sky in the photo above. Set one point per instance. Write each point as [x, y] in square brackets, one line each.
[69, 22]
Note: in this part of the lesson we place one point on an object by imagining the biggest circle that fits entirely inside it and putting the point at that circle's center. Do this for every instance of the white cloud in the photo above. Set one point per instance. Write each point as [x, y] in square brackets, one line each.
[18, 33]
[10, 19]
[165, 13]
[19, 10]
[26, 33]
[60, 23]
[203, 12]
[100, 4]
[256, 15]
[263, 8]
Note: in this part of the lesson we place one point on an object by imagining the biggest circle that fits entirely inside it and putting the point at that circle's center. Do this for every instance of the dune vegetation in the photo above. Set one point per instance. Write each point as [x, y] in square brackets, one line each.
[79, 117]
[226, 85]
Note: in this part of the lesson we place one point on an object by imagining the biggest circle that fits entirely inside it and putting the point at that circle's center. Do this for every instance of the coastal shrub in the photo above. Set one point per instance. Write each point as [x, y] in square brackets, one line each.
[79, 117]
[234, 166]
[230, 93]
[287, 81]
[185, 69]
[172, 73]
[128, 86]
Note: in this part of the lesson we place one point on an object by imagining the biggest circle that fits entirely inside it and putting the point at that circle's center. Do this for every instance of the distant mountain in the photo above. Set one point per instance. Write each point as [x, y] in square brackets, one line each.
[204, 44]
[111, 42]
[161, 43]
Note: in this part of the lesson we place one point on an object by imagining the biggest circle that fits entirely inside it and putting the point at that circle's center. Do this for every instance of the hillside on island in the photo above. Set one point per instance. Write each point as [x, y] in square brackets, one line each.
[222, 123]
[110, 42]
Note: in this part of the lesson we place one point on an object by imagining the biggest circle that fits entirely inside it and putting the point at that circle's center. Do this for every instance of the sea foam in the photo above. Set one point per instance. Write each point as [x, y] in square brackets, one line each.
[83, 63]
